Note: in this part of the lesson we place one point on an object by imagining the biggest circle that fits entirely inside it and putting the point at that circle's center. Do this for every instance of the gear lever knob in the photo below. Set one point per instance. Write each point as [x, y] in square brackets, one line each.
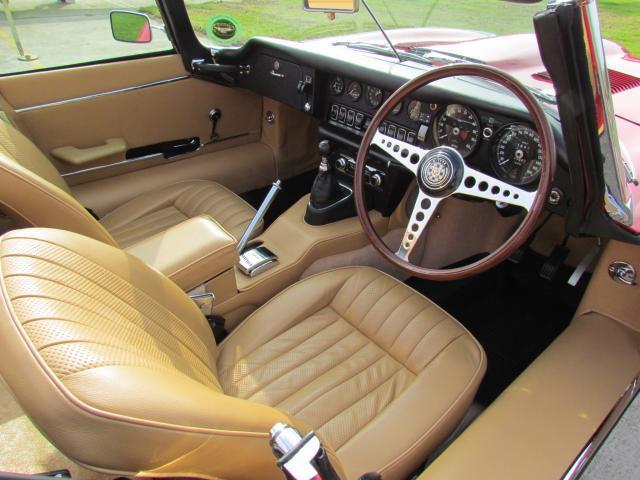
[324, 147]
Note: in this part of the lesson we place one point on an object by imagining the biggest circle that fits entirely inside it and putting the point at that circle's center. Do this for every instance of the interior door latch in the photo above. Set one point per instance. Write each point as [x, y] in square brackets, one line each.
[214, 115]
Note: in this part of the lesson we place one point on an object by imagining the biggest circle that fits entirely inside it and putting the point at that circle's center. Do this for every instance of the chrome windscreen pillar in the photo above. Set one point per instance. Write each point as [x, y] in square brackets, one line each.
[618, 169]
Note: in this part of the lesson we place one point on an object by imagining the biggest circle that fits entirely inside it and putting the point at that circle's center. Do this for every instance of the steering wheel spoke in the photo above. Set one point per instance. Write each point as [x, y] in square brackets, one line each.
[423, 210]
[405, 154]
[441, 172]
[477, 184]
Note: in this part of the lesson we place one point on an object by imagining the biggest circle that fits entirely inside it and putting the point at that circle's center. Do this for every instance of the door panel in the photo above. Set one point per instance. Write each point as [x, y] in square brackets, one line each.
[142, 102]
[240, 169]
[24, 91]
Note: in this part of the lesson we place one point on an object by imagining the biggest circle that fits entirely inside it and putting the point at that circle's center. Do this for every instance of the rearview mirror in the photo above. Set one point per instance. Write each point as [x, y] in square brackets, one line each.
[338, 6]
[130, 27]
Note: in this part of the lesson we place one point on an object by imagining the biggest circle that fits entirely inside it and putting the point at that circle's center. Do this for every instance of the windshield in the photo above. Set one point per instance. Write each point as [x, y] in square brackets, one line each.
[233, 22]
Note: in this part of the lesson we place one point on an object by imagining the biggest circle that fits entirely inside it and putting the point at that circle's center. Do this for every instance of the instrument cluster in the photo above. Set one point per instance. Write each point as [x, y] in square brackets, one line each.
[508, 149]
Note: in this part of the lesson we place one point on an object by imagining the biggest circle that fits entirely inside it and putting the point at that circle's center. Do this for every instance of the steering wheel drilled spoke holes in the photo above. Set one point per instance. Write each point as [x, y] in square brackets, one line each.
[442, 172]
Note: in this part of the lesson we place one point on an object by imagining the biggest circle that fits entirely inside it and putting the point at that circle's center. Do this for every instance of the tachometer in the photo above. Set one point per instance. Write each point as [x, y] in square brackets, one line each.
[457, 127]
[354, 90]
[374, 97]
[518, 155]
[337, 86]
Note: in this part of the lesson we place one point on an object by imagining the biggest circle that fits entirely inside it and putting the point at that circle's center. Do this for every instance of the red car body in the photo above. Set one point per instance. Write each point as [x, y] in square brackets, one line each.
[519, 55]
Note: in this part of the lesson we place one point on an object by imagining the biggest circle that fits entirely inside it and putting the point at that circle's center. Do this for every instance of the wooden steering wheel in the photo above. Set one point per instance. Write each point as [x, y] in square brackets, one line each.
[442, 172]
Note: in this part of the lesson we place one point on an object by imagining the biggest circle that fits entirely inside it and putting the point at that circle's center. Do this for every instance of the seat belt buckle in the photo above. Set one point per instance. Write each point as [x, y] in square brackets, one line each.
[204, 301]
[300, 458]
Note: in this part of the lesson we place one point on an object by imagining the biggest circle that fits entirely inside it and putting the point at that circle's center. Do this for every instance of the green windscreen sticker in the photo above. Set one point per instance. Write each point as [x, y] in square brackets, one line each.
[223, 29]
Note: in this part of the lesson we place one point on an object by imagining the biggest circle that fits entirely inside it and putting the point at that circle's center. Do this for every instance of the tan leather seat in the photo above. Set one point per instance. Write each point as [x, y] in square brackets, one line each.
[33, 192]
[119, 369]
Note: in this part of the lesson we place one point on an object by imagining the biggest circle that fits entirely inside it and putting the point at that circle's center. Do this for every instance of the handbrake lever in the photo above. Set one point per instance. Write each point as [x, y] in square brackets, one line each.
[266, 203]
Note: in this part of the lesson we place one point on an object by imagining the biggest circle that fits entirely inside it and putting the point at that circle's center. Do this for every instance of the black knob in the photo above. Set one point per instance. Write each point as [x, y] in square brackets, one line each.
[324, 147]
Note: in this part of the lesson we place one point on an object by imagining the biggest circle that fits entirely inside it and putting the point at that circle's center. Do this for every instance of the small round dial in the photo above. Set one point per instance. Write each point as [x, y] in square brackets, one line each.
[374, 97]
[518, 155]
[457, 127]
[414, 109]
[337, 86]
[397, 109]
[354, 90]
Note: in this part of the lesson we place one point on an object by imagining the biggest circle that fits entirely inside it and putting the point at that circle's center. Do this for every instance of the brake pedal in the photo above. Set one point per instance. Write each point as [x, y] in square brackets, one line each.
[517, 256]
[552, 264]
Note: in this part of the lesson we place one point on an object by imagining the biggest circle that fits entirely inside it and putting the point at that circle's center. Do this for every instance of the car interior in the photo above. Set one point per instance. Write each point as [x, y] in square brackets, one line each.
[192, 254]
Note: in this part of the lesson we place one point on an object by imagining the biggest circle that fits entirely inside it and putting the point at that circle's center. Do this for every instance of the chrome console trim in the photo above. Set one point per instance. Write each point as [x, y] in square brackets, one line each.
[101, 94]
[111, 165]
[595, 442]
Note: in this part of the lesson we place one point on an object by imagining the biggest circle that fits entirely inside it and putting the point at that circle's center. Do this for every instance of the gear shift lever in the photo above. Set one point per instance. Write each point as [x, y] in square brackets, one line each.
[325, 187]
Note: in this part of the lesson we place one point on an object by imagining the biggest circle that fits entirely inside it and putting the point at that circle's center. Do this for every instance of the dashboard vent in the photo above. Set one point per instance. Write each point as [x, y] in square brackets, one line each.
[619, 81]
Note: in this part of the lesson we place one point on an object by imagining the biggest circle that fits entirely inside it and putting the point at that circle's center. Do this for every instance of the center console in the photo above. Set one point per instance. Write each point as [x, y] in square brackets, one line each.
[332, 192]
[191, 253]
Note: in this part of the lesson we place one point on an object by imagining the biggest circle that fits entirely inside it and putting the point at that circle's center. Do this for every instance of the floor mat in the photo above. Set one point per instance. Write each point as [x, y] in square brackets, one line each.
[514, 313]
[23, 449]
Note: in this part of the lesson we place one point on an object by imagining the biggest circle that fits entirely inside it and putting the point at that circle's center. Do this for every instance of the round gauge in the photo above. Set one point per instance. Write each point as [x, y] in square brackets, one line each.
[414, 109]
[354, 90]
[337, 86]
[397, 109]
[518, 155]
[457, 127]
[374, 97]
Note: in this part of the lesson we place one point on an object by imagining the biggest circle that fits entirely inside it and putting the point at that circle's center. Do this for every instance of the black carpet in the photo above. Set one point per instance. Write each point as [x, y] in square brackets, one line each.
[514, 314]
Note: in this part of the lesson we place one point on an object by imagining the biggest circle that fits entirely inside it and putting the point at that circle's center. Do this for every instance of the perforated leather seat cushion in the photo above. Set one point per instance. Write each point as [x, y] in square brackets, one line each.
[379, 371]
[116, 365]
[119, 368]
[156, 211]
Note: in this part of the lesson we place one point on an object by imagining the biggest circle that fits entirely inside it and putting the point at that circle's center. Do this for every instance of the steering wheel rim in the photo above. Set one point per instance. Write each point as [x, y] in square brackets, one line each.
[396, 149]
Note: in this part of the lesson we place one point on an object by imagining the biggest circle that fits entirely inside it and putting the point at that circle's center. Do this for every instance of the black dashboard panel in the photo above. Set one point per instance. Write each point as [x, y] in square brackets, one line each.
[283, 80]
[419, 121]
[344, 114]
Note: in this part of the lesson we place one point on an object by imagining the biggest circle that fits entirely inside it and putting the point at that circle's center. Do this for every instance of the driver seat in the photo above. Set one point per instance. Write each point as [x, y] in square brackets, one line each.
[120, 371]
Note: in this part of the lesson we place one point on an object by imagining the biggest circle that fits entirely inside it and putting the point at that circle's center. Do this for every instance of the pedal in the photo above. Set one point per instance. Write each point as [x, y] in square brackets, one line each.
[517, 256]
[584, 264]
[550, 268]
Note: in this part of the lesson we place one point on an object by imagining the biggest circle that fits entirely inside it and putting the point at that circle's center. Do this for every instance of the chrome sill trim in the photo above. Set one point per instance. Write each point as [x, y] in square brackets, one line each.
[595, 442]
[101, 94]
[111, 165]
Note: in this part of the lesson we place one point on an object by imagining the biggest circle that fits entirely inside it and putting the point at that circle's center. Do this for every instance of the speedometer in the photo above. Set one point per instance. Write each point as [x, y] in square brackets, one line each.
[458, 127]
[518, 155]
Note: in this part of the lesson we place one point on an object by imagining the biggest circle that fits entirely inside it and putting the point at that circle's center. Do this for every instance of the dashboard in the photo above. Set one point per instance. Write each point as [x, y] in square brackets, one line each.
[504, 147]
[344, 88]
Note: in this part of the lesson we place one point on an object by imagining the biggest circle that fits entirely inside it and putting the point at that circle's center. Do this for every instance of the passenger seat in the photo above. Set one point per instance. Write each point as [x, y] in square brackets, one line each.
[34, 193]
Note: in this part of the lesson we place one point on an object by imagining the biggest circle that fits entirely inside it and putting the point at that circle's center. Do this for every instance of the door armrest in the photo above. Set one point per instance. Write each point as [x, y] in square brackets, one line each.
[80, 156]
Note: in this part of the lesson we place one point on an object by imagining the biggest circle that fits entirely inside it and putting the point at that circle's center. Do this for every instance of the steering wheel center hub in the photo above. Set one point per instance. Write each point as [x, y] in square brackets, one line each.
[440, 171]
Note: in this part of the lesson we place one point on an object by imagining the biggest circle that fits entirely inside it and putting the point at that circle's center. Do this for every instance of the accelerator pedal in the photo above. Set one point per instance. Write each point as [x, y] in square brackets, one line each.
[552, 264]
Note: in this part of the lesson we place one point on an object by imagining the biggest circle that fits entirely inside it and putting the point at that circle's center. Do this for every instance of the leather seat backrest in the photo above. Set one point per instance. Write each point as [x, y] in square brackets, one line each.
[34, 194]
[117, 366]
